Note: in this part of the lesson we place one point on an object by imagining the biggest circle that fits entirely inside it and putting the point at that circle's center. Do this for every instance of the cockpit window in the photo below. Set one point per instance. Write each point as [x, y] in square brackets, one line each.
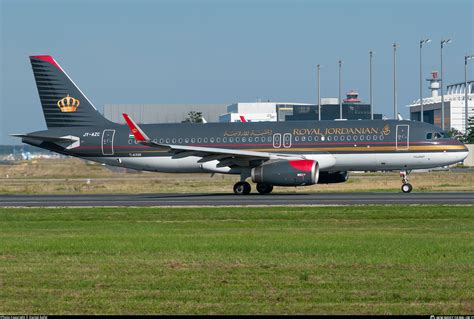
[436, 135]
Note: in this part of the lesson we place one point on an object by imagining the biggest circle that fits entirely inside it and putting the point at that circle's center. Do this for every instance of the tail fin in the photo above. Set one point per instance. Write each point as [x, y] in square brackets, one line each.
[63, 102]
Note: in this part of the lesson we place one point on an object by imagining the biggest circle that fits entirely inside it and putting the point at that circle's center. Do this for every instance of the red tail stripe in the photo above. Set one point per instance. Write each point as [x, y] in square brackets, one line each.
[48, 59]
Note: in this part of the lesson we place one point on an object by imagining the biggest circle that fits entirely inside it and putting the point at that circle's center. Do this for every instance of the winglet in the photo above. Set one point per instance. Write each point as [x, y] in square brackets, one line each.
[137, 132]
[242, 119]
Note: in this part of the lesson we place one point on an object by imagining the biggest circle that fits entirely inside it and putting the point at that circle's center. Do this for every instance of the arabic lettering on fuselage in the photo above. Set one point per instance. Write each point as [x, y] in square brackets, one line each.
[248, 133]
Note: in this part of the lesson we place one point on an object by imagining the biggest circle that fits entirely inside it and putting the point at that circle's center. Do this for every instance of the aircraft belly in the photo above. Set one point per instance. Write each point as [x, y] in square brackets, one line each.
[395, 161]
[167, 164]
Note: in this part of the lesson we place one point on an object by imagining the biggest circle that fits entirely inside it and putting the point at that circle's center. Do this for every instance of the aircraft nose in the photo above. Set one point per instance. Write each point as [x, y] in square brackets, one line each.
[463, 145]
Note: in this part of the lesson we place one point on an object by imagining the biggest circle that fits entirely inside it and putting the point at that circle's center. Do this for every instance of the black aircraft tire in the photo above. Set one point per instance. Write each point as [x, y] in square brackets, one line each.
[264, 188]
[242, 188]
[407, 188]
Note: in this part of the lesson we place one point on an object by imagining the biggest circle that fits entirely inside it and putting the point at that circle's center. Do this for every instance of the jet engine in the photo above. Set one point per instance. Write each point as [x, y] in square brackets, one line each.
[286, 173]
[335, 177]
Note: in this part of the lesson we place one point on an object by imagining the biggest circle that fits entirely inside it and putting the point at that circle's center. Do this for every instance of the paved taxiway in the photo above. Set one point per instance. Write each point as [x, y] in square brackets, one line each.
[233, 200]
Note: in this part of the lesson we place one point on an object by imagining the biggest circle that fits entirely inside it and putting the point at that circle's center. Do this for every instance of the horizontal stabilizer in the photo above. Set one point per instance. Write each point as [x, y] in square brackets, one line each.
[46, 138]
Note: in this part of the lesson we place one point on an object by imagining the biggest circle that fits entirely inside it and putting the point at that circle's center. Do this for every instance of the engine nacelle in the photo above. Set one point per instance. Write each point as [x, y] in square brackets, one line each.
[336, 177]
[287, 173]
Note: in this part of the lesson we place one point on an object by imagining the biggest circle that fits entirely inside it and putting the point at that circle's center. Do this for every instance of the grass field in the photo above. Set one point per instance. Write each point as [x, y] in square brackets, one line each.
[74, 176]
[325, 260]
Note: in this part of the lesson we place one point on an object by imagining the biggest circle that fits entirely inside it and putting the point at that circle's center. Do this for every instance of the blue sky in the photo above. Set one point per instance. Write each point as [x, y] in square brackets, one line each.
[225, 51]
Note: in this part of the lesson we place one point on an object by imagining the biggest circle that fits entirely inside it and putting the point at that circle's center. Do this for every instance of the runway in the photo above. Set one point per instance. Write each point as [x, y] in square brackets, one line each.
[277, 199]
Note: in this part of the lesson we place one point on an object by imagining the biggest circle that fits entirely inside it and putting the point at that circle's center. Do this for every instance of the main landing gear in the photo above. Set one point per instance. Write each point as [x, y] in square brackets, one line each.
[406, 187]
[264, 188]
[244, 188]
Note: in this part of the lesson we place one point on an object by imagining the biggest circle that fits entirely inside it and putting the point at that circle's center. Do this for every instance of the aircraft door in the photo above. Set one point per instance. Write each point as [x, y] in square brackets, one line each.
[402, 139]
[108, 142]
[276, 140]
[287, 140]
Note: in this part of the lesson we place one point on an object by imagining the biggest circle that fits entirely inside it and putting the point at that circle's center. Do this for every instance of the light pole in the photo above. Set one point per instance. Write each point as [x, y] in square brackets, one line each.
[319, 93]
[370, 86]
[443, 42]
[395, 46]
[340, 100]
[421, 76]
[466, 110]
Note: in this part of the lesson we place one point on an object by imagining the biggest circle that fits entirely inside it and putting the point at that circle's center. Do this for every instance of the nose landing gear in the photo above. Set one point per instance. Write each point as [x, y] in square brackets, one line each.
[406, 187]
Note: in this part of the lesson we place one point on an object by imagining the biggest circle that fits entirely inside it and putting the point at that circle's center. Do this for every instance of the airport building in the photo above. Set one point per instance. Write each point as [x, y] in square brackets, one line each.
[352, 109]
[454, 105]
[162, 113]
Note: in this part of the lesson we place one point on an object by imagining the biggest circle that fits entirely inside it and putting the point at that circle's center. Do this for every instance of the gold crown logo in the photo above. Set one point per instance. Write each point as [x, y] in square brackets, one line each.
[68, 104]
[386, 129]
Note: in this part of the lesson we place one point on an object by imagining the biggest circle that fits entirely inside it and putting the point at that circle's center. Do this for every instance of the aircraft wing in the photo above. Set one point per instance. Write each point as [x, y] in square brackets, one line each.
[225, 156]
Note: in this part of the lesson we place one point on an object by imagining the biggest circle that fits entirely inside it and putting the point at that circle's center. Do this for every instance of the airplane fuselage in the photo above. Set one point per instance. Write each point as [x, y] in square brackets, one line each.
[336, 145]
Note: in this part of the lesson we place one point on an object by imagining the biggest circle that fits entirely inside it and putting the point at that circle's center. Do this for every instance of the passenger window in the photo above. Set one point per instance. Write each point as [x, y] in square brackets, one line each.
[316, 138]
[218, 139]
[130, 141]
[368, 138]
[231, 139]
[374, 137]
[224, 139]
[193, 140]
[343, 137]
[250, 139]
[329, 138]
[310, 138]
[211, 140]
[336, 138]
[199, 140]
[362, 137]
[303, 138]
[237, 139]
[161, 140]
[205, 140]
[180, 141]
[167, 140]
[174, 140]
[355, 137]
[257, 139]
[297, 138]
[429, 136]
[349, 137]
[244, 139]
[186, 140]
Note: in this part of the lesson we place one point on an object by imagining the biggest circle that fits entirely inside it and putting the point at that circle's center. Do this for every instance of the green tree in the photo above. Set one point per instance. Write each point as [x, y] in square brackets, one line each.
[456, 134]
[469, 136]
[193, 117]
